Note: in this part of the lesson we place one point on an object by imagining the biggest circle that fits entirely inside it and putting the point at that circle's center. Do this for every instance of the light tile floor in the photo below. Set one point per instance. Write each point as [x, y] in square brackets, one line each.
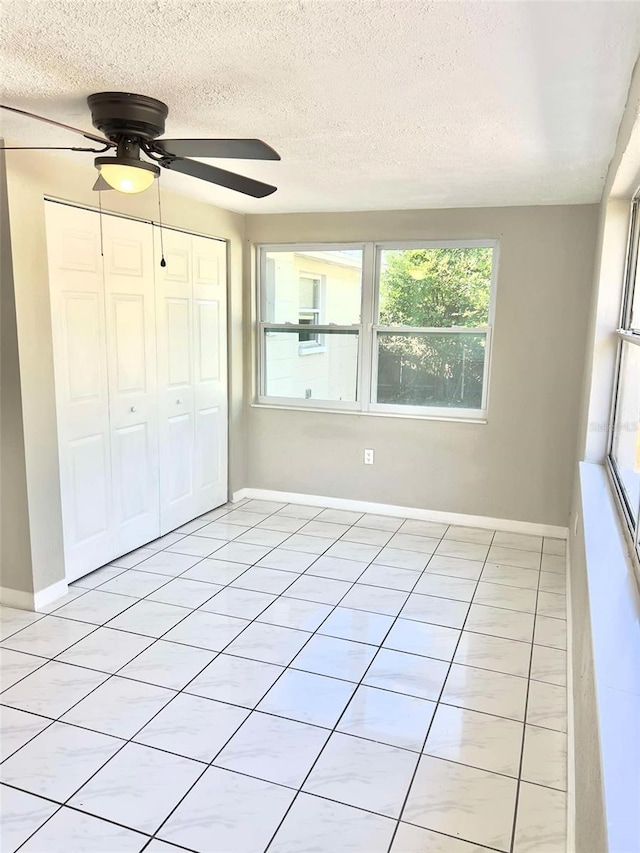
[292, 679]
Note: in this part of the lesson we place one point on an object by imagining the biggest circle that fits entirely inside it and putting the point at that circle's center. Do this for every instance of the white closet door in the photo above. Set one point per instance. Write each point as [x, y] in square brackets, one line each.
[141, 381]
[133, 404]
[192, 375]
[174, 309]
[210, 372]
[79, 340]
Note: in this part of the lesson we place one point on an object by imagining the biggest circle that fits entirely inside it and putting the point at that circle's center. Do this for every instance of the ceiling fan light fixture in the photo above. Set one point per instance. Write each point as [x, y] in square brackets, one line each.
[127, 175]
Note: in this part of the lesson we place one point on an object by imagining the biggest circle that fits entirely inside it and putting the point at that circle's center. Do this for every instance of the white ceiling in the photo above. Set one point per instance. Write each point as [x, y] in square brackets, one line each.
[373, 104]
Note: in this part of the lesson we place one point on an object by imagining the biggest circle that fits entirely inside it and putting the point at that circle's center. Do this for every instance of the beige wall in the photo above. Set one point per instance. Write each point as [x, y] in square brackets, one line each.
[517, 466]
[30, 177]
[15, 546]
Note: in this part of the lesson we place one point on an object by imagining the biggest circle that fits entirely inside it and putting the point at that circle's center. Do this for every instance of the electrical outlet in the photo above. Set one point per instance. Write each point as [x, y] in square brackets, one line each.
[368, 456]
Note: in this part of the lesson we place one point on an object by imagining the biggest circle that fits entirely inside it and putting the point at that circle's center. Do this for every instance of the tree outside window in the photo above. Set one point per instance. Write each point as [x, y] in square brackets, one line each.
[436, 289]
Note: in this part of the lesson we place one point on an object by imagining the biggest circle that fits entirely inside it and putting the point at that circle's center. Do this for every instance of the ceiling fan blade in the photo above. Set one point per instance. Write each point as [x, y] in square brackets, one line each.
[233, 149]
[92, 136]
[101, 185]
[205, 172]
[52, 148]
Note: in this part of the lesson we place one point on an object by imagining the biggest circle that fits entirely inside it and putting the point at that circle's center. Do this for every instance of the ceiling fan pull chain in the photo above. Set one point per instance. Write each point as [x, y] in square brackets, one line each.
[163, 263]
[100, 215]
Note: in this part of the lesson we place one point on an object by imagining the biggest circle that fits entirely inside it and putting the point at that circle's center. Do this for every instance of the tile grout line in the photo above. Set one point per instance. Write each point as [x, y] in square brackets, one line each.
[87, 728]
[520, 779]
[333, 730]
[58, 719]
[192, 610]
[62, 806]
[125, 742]
[524, 728]
[122, 746]
[438, 702]
[146, 597]
[419, 574]
[130, 739]
[254, 710]
[110, 675]
[316, 629]
[297, 669]
[311, 634]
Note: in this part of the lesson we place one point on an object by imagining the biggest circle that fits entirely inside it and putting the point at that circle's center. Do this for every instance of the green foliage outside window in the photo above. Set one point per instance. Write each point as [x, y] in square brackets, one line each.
[434, 288]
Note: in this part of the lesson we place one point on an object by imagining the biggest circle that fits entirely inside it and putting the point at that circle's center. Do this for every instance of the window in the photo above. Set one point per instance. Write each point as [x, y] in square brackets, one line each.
[432, 327]
[396, 329]
[624, 443]
[309, 312]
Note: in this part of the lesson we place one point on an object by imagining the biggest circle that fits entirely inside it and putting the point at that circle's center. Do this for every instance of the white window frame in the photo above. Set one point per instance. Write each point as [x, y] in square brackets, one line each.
[367, 329]
[626, 334]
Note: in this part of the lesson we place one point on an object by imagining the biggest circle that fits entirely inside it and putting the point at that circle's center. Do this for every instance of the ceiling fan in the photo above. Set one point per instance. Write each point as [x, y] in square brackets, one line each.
[131, 125]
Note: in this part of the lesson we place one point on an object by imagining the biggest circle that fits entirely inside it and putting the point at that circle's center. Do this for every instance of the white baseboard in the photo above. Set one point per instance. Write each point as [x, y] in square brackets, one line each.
[51, 593]
[504, 524]
[30, 600]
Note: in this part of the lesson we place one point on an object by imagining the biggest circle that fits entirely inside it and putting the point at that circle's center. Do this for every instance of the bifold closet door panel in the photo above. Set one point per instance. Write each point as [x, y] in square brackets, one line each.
[141, 380]
[210, 372]
[174, 317]
[133, 388]
[82, 394]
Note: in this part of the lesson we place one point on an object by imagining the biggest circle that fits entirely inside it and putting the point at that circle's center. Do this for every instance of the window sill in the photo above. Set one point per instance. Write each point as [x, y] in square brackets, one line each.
[311, 350]
[481, 420]
[614, 613]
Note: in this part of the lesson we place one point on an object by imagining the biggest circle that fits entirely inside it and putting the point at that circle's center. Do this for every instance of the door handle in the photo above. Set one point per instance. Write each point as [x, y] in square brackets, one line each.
[178, 402]
[133, 408]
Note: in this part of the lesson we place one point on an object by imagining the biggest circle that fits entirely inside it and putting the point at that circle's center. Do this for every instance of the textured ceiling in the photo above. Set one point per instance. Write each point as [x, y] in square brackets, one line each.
[372, 104]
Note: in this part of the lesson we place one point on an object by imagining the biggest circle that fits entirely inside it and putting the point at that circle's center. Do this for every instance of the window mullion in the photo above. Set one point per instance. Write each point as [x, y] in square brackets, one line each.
[366, 353]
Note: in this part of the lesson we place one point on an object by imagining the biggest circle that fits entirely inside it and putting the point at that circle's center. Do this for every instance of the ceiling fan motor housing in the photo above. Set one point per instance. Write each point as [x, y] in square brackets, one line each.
[120, 114]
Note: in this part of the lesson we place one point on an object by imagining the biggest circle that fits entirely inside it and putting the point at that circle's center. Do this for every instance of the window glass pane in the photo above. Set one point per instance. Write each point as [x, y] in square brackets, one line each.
[435, 287]
[626, 429]
[326, 370]
[309, 292]
[435, 369]
[328, 281]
